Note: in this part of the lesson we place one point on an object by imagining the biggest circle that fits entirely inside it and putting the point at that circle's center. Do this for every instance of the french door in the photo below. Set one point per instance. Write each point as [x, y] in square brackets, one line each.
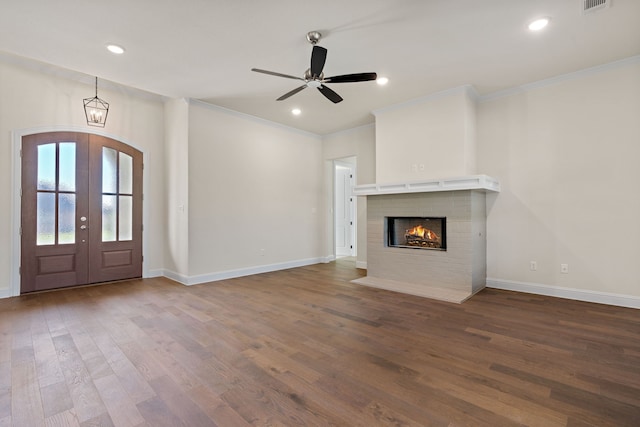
[81, 211]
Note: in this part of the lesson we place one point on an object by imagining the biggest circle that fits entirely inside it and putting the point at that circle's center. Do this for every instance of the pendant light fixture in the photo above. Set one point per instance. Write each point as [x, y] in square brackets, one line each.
[96, 110]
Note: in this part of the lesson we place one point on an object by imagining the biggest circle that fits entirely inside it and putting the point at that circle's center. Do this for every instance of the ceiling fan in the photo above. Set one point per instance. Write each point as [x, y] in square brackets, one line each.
[314, 77]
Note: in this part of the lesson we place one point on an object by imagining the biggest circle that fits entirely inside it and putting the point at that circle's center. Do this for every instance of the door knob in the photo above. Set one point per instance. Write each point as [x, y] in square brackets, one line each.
[83, 227]
[83, 218]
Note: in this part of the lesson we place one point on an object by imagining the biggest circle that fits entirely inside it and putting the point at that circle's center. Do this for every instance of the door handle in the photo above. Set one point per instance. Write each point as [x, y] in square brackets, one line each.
[83, 227]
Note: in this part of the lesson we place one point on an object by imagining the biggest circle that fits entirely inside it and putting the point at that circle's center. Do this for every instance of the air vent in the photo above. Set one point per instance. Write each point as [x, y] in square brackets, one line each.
[590, 6]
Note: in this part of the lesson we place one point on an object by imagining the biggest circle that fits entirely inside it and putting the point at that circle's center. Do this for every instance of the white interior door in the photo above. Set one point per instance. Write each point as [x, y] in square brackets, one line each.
[344, 210]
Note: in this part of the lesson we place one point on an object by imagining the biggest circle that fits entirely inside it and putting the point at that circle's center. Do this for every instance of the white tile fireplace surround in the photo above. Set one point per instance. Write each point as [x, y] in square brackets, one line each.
[454, 274]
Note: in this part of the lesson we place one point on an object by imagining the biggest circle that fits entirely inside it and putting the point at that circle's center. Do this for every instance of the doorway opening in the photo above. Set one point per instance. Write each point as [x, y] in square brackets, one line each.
[344, 174]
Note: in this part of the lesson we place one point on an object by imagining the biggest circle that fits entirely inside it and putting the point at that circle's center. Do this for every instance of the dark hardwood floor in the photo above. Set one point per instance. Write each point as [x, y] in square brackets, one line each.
[305, 347]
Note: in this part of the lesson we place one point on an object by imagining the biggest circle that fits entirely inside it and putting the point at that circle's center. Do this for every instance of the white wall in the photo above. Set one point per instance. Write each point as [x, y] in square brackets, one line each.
[253, 185]
[427, 138]
[567, 155]
[176, 185]
[359, 143]
[31, 100]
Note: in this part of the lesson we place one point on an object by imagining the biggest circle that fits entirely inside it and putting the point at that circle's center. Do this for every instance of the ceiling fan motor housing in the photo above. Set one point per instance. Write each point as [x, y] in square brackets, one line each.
[308, 76]
[314, 37]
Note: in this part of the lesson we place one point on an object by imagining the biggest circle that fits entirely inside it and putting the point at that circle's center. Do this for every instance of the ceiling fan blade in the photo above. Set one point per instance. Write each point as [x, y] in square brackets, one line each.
[351, 78]
[330, 94]
[290, 93]
[318, 58]
[273, 73]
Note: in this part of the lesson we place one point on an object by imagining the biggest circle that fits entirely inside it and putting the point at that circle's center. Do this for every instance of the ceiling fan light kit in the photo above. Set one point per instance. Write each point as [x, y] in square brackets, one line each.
[314, 76]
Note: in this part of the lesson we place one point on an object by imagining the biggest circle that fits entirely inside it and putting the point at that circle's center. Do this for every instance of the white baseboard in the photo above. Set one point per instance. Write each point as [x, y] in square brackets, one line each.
[177, 277]
[6, 293]
[154, 273]
[241, 272]
[620, 300]
[361, 264]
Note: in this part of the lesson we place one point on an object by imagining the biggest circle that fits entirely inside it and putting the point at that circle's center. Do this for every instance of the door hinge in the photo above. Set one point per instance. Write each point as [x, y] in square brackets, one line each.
[20, 232]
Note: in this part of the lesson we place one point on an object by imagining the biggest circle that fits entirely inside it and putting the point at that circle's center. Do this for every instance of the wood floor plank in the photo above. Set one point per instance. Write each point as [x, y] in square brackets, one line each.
[5, 389]
[26, 407]
[216, 409]
[179, 403]
[307, 347]
[67, 418]
[47, 363]
[55, 399]
[102, 420]
[121, 408]
[156, 413]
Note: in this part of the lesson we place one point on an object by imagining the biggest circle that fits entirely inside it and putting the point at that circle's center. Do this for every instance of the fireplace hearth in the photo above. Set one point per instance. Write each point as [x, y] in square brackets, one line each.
[417, 232]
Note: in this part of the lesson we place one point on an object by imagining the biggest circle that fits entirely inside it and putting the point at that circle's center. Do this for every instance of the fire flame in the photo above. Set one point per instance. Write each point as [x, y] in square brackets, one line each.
[423, 233]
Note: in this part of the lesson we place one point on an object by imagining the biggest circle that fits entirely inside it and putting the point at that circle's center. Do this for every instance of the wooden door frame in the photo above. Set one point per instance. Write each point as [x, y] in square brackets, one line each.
[16, 202]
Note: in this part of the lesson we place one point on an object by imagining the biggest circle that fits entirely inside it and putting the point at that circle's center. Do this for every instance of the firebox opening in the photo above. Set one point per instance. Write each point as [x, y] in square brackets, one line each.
[417, 232]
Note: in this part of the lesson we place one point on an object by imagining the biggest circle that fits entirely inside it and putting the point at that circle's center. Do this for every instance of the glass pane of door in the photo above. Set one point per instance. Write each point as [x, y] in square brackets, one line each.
[126, 174]
[66, 218]
[47, 167]
[46, 219]
[67, 166]
[109, 218]
[109, 170]
[125, 212]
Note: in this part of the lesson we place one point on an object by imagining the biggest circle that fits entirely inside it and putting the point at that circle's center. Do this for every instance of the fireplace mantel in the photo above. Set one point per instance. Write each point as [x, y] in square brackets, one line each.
[471, 182]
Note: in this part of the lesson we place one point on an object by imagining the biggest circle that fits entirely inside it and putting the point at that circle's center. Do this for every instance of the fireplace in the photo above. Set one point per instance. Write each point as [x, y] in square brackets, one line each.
[454, 209]
[417, 232]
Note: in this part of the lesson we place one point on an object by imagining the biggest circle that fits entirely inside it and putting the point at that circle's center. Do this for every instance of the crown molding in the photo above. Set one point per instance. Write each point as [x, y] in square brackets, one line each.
[469, 90]
[559, 79]
[76, 76]
[214, 107]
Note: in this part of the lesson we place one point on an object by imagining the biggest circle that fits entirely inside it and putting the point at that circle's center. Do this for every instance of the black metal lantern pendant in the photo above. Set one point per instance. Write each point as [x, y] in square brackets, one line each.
[96, 110]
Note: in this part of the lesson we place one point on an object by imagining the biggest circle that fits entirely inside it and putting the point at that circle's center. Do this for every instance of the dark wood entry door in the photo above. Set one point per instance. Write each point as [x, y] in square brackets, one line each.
[81, 211]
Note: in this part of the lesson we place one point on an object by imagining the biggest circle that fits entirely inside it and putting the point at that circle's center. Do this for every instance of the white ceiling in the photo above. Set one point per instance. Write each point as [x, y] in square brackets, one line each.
[205, 49]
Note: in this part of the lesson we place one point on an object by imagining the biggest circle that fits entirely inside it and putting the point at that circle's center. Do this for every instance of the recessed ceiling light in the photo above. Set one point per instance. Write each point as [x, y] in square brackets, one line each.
[114, 48]
[296, 111]
[382, 81]
[539, 24]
